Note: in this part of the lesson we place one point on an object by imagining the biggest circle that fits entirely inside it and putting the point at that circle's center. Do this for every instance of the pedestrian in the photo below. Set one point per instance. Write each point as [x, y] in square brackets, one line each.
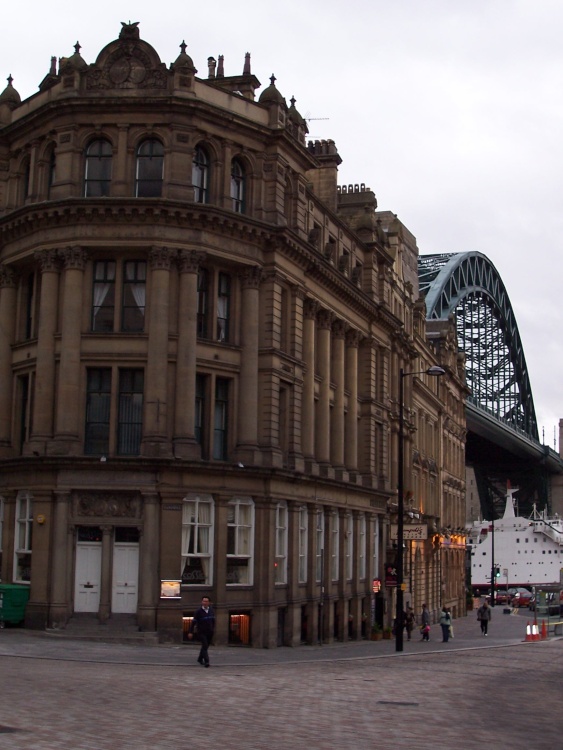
[202, 627]
[484, 616]
[409, 622]
[445, 622]
[425, 623]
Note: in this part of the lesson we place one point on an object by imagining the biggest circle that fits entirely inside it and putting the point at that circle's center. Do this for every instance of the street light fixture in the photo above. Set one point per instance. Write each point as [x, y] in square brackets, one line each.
[435, 371]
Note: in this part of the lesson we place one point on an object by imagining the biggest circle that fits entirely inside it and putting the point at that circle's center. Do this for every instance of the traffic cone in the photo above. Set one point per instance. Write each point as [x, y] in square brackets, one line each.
[535, 632]
[528, 632]
[543, 630]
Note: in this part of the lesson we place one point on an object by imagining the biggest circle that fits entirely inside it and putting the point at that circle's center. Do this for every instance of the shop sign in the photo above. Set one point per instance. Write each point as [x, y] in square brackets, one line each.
[415, 532]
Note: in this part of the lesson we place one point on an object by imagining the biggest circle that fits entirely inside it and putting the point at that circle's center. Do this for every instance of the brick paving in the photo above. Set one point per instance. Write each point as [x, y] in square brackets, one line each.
[473, 692]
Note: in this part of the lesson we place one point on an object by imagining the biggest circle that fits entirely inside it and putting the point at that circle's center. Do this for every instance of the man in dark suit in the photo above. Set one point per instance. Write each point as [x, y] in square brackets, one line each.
[203, 627]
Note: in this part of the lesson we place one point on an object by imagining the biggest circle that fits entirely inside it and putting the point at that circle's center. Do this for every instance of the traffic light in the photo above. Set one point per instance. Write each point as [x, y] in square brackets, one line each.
[497, 571]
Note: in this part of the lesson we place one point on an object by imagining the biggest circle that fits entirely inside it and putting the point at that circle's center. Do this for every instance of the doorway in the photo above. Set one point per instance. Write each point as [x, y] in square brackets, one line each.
[125, 571]
[88, 575]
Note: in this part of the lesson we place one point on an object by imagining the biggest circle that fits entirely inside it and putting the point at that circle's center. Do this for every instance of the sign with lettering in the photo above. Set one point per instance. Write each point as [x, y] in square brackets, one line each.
[411, 531]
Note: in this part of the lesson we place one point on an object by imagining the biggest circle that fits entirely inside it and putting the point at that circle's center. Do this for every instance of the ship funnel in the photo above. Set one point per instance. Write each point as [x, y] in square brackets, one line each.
[509, 507]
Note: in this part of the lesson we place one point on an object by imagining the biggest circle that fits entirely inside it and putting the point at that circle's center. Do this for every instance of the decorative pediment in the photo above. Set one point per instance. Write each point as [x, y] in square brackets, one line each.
[127, 63]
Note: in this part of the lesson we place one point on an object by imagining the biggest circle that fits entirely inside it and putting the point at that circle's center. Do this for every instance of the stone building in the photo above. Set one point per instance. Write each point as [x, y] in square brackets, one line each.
[200, 340]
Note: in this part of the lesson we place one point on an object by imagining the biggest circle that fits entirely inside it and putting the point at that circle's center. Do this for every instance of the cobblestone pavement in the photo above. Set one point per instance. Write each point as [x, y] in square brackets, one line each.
[474, 692]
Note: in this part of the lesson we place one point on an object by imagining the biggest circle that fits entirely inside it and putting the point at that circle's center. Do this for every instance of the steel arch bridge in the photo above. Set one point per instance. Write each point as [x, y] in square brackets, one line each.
[468, 286]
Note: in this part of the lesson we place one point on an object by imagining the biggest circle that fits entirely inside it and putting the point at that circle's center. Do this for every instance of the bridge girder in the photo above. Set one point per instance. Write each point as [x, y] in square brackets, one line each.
[468, 286]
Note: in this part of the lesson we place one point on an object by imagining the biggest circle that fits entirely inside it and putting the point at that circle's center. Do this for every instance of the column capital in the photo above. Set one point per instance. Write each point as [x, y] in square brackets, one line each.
[339, 328]
[251, 277]
[74, 257]
[324, 319]
[47, 260]
[353, 338]
[160, 258]
[8, 277]
[189, 261]
[310, 308]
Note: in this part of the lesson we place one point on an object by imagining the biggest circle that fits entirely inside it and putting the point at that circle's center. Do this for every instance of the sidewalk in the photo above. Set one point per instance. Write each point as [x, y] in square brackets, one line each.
[504, 630]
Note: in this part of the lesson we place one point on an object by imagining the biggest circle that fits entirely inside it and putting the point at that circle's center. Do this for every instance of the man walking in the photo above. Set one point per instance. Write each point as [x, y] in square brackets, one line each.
[203, 627]
[484, 616]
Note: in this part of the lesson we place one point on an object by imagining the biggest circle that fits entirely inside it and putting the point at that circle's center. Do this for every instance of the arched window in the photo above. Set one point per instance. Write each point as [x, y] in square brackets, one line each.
[97, 170]
[238, 184]
[150, 164]
[200, 176]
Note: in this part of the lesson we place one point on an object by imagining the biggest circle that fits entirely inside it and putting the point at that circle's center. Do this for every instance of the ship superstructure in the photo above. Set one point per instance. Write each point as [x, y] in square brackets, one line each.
[528, 551]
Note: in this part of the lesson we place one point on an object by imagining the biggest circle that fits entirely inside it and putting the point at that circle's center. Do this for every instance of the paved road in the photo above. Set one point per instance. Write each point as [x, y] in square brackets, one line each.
[474, 692]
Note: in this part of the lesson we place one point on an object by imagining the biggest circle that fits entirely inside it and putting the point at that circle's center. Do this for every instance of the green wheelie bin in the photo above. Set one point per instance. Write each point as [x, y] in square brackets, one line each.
[13, 600]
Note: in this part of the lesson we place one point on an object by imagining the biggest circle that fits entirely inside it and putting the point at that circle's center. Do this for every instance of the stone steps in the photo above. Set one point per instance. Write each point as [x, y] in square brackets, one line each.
[117, 629]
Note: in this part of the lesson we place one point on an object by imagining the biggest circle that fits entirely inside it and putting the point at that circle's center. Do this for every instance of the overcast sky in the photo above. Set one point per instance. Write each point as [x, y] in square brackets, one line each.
[450, 110]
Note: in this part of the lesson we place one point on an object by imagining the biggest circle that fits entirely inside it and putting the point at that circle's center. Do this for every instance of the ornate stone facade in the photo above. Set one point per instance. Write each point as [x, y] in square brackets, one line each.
[200, 341]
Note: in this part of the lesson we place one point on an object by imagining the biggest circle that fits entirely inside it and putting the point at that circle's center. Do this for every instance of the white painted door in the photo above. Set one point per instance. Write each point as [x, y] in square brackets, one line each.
[125, 578]
[88, 576]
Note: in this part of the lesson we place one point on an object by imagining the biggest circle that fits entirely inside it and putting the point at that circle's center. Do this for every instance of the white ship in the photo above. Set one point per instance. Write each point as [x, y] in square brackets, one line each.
[528, 551]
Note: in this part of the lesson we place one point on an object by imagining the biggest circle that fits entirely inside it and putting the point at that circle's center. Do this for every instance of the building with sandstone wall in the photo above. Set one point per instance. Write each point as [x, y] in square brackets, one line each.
[200, 341]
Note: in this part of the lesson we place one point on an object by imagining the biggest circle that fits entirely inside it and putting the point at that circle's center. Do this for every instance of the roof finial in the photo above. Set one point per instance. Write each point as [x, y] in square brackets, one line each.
[9, 79]
[77, 48]
[272, 79]
[183, 47]
[293, 100]
[246, 69]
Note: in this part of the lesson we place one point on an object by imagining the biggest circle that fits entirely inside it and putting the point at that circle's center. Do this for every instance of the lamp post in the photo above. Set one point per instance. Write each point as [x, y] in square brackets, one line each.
[435, 371]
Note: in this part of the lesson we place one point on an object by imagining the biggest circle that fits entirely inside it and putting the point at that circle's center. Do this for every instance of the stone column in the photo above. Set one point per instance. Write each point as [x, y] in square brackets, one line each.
[8, 297]
[308, 410]
[351, 426]
[44, 394]
[247, 432]
[185, 445]
[68, 421]
[58, 612]
[338, 375]
[149, 563]
[104, 610]
[155, 429]
[293, 587]
[225, 197]
[314, 587]
[322, 422]
[220, 568]
[121, 180]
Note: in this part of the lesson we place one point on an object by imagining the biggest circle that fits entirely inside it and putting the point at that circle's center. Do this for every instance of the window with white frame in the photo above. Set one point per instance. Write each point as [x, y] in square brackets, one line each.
[280, 571]
[334, 546]
[319, 546]
[362, 546]
[349, 546]
[240, 540]
[24, 524]
[197, 539]
[303, 544]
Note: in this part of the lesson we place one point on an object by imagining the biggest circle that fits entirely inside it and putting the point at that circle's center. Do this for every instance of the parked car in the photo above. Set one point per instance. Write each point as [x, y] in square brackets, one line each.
[501, 596]
[519, 597]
